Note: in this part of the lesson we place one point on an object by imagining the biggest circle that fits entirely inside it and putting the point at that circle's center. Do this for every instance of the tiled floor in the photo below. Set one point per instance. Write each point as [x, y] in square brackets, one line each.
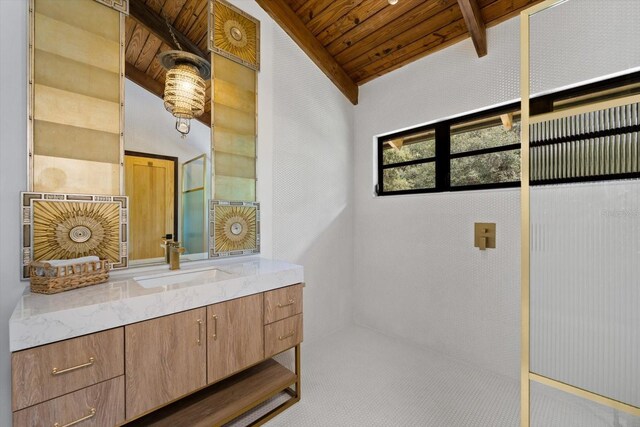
[358, 377]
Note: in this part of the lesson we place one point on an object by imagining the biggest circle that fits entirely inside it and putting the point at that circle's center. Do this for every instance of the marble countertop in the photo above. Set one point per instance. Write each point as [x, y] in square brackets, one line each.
[42, 319]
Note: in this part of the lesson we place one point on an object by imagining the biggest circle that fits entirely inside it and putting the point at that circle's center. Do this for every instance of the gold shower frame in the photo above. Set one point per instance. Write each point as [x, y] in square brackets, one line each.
[526, 376]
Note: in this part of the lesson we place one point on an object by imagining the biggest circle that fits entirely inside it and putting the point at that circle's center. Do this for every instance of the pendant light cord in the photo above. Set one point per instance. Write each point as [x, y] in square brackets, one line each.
[173, 36]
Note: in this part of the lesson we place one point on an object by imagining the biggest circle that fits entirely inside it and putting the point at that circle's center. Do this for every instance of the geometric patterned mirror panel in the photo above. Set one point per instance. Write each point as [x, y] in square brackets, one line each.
[76, 63]
[119, 5]
[234, 228]
[66, 226]
[234, 34]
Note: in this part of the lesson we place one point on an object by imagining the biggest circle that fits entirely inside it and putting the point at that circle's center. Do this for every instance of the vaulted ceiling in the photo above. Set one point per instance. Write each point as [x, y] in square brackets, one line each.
[355, 41]
[351, 41]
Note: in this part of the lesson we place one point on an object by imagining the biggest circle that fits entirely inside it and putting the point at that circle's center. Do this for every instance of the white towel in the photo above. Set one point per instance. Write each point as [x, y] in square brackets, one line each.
[66, 262]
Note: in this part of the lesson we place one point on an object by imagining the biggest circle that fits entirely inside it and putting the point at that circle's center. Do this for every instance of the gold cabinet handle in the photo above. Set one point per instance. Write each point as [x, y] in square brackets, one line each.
[215, 326]
[291, 302]
[199, 332]
[290, 334]
[91, 414]
[56, 371]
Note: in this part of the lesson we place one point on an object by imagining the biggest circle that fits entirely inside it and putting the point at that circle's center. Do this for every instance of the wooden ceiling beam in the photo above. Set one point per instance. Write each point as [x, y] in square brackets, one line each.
[157, 25]
[475, 25]
[396, 144]
[149, 83]
[291, 23]
[507, 121]
[143, 79]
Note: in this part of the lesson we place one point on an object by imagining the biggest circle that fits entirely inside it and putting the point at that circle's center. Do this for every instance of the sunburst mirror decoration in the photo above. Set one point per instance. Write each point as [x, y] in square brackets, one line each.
[234, 34]
[66, 226]
[234, 228]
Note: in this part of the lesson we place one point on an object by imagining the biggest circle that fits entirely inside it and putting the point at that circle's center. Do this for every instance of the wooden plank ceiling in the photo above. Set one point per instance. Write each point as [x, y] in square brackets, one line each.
[351, 41]
[369, 38]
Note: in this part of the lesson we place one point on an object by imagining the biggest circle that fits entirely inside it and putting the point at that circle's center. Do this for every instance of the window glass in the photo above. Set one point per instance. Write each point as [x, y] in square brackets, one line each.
[412, 177]
[488, 133]
[412, 147]
[492, 168]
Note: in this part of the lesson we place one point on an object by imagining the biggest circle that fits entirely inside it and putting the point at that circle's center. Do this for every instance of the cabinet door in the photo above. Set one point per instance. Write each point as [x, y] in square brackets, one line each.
[234, 336]
[165, 358]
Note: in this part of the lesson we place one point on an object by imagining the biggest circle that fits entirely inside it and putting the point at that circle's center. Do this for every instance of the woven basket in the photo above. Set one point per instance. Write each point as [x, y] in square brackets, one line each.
[52, 280]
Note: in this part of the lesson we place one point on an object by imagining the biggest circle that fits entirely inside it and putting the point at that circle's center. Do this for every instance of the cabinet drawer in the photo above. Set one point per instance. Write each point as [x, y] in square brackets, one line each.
[282, 335]
[49, 371]
[99, 405]
[282, 303]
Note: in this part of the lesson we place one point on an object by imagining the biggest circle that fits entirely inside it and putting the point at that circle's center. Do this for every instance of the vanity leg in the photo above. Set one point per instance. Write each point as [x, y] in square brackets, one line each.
[298, 373]
[295, 394]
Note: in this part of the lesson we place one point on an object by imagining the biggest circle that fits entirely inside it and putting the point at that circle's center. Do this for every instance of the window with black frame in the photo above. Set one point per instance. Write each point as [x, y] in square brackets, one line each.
[471, 152]
[482, 150]
[408, 162]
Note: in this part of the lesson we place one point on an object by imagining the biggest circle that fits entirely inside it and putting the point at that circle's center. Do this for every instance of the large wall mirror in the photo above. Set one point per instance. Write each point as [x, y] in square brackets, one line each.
[82, 142]
[167, 175]
[98, 122]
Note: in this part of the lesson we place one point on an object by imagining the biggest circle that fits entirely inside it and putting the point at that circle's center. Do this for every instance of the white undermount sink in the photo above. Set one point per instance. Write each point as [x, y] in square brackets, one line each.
[183, 277]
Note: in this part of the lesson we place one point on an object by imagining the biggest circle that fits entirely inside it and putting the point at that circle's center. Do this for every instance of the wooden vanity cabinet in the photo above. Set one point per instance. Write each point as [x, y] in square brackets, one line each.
[165, 358]
[204, 366]
[234, 336]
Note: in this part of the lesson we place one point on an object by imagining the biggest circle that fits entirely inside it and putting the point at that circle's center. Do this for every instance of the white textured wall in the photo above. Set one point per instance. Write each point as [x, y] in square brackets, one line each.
[13, 161]
[581, 40]
[419, 277]
[307, 126]
[417, 274]
[313, 181]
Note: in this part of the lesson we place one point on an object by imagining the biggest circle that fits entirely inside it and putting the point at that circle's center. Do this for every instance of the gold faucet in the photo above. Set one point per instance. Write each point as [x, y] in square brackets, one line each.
[174, 255]
[167, 243]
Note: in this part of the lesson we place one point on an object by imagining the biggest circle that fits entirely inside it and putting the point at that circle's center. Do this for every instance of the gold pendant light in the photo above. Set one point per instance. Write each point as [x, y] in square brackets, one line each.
[185, 87]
